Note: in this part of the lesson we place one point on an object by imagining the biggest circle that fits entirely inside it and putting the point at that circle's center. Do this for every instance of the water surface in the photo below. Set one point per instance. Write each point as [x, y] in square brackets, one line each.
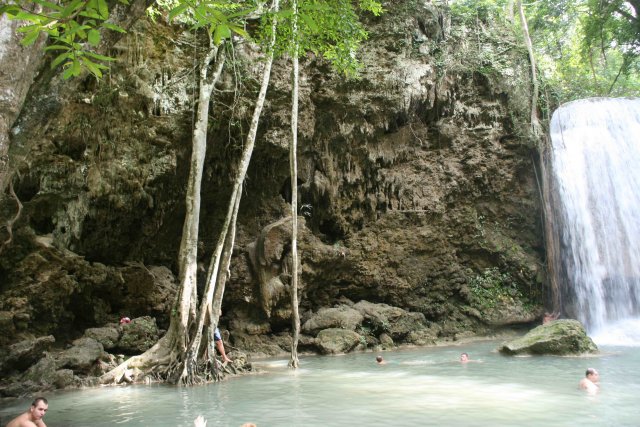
[417, 387]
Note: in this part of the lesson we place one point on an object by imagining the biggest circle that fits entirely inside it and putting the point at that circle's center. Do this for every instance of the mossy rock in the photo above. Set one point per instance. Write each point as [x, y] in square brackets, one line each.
[559, 337]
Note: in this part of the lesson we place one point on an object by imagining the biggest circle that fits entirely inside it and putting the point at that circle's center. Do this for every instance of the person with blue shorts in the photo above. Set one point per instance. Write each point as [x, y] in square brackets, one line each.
[220, 345]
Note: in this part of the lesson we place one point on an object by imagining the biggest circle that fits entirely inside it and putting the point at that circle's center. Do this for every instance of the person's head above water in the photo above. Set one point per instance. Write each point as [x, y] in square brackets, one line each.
[592, 374]
[464, 357]
[379, 359]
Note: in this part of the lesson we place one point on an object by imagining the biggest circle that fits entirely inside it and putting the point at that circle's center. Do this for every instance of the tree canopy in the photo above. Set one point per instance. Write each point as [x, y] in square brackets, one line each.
[584, 48]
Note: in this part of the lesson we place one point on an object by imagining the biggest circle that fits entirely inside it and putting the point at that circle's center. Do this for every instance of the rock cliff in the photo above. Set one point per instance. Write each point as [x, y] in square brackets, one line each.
[417, 185]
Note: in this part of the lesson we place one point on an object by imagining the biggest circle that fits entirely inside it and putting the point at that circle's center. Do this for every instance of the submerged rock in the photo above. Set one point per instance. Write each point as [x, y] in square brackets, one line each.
[560, 337]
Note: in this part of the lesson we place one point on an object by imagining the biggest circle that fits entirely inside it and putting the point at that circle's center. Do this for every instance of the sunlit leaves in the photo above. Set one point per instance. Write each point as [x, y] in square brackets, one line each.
[589, 47]
[328, 28]
[222, 19]
[73, 28]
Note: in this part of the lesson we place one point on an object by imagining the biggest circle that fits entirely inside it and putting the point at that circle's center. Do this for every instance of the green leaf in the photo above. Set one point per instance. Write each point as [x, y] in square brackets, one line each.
[103, 9]
[27, 16]
[71, 8]
[67, 74]
[93, 36]
[91, 13]
[58, 60]
[220, 33]
[50, 5]
[178, 10]
[76, 68]
[56, 47]
[240, 31]
[99, 57]
[30, 38]
[92, 67]
[113, 27]
[310, 22]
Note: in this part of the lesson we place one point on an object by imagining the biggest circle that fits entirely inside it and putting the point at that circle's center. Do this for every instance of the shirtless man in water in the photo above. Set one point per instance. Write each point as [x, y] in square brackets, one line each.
[590, 381]
[33, 417]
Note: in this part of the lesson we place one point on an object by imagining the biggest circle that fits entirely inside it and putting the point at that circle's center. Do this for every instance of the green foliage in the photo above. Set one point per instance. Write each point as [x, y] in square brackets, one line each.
[328, 28]
[73, 27]
[493, 288]
[470, 11]
[220, 18]
[586, 48]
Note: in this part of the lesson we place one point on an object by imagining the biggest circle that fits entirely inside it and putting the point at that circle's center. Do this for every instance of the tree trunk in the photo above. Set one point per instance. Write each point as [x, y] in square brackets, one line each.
[216, 276]
[293, 165]
[168, 355]
[535, 123]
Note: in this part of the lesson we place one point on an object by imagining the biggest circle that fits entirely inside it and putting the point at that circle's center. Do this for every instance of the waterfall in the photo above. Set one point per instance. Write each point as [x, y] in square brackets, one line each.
[595, 167]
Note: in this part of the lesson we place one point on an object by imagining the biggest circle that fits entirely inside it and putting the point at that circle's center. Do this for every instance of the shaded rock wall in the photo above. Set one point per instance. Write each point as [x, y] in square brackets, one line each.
[416, 183]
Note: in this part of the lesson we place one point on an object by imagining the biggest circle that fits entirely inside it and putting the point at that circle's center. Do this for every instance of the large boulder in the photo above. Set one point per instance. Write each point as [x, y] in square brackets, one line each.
[107, 336]
[559, 337]
[138, 336]
[82, 356]
[394, 321]
[342, 317]
[335, 341]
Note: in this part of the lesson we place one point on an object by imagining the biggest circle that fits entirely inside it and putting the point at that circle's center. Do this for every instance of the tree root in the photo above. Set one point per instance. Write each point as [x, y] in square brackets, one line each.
[9, 224]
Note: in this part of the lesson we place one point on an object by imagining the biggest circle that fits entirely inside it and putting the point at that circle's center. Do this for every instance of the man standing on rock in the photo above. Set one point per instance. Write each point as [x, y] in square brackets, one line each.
[33, 417]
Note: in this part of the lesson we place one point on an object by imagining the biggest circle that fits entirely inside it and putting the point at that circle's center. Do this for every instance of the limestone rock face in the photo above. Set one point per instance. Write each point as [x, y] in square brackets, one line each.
[558, 337]
[24, 353]
[414, 181]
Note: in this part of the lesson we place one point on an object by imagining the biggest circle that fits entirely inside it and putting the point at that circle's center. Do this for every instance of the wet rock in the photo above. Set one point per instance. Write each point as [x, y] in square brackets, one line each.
[396, 322]
[336, 341]
[343, 317]
[559, 337]
[258, 345]
[107, 336]
[138, 336]
[42, 372]
[25, 353]
[64, 378]
[82, 355]
[423, 336]
[6, 325]
[386, 341]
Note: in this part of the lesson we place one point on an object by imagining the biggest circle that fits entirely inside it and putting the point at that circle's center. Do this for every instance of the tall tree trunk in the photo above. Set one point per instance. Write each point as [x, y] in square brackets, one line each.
[219, 266]
[509, 11]
[168, 355]
[293, 168]
[535, 122]
[185, 308]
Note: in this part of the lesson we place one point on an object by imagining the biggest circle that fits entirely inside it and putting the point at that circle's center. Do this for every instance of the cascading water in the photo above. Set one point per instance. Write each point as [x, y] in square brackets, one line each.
[595, 162]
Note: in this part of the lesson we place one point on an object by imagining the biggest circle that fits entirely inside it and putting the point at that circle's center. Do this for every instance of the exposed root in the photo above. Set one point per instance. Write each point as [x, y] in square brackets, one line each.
[9, 224]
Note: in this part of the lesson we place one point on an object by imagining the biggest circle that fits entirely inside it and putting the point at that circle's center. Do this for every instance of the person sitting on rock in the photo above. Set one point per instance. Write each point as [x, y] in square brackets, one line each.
[548, 317]
[33, 416]
[220, 346]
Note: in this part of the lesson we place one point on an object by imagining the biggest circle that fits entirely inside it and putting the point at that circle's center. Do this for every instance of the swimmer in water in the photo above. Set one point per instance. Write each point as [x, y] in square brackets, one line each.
[590, 381]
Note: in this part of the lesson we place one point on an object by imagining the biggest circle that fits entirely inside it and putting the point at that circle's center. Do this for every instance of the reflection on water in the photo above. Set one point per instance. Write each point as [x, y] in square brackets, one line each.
[425, 386]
